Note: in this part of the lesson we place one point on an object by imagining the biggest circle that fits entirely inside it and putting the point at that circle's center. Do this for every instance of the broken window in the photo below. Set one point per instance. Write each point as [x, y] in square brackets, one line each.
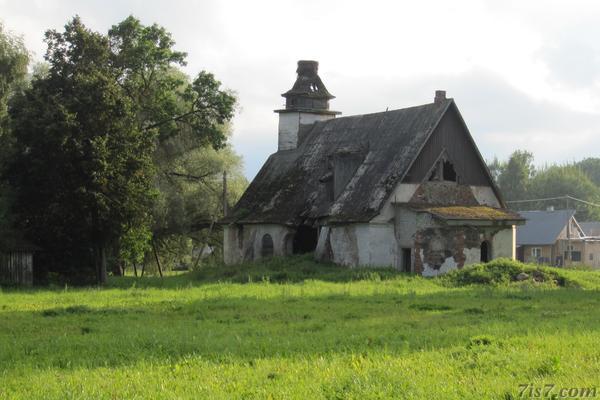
[443, 171]
[448, 173]
[267, 246]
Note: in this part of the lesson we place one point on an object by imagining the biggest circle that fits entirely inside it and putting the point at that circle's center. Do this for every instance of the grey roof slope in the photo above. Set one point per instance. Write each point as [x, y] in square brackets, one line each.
[542, 227]
[288, 188]
[591, 228]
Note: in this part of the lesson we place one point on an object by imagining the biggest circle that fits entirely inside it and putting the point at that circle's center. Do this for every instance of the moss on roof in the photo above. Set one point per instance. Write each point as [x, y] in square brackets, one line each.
[474, 212]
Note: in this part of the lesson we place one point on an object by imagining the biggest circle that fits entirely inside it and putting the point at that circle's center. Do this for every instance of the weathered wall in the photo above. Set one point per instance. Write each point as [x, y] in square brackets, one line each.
[592, 254]
[437, 248]
[437, 192]
[358, 244]
[289, 125]
[485, 196]
[452, 137]
[504, 243]
[244, 242]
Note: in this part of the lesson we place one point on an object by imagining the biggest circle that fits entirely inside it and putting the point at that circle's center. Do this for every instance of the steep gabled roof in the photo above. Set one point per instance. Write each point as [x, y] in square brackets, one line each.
[289, 188]
[542, 227]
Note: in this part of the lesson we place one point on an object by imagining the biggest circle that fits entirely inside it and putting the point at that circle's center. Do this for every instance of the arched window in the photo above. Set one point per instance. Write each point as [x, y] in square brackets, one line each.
[267, 246]
[486, 251]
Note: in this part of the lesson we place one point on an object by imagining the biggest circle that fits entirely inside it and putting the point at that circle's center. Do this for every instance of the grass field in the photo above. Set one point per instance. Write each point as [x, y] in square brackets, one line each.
[292, 329]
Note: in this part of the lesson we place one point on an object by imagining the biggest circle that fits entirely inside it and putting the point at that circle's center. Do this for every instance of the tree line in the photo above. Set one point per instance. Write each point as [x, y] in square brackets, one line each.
[111, 157]
[519, 179]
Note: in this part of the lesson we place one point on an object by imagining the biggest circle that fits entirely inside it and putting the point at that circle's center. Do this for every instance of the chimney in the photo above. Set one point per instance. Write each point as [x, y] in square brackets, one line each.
[440, 96]
[305, 103]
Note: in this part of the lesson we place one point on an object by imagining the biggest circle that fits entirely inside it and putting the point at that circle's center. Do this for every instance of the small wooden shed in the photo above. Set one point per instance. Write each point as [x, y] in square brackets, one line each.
[16, 263]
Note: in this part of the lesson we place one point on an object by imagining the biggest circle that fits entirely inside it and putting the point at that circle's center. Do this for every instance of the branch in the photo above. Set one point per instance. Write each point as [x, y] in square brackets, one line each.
[190, 177]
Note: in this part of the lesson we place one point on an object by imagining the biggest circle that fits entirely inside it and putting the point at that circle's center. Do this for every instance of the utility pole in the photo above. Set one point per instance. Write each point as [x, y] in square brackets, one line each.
[225, 207]
[568, 237]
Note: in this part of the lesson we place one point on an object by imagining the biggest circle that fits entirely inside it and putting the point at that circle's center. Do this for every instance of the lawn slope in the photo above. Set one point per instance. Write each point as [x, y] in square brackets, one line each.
[294, 329]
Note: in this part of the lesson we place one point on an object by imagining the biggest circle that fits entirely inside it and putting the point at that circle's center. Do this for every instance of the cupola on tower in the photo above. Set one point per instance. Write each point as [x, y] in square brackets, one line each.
[305, 103]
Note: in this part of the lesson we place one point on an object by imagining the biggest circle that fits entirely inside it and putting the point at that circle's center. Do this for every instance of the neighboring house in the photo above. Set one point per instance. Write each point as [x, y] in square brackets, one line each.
[554, 237]
[406, 188]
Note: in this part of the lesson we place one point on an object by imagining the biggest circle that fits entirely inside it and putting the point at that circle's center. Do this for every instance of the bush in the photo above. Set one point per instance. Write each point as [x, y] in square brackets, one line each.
[503, 271]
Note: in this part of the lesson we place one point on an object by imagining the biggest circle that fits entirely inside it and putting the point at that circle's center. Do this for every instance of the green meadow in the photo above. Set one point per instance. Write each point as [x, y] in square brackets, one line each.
[294, 329]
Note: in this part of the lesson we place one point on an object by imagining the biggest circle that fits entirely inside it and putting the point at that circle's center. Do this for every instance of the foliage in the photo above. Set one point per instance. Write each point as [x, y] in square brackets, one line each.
[14, 58]
[13, 69]
[102, 125]
[518, 179]
[191, 118]
[567, 179]
[591, 168]
[82, 168]
[395, 338]
[504, 271]
[515, 174]
[134, 244]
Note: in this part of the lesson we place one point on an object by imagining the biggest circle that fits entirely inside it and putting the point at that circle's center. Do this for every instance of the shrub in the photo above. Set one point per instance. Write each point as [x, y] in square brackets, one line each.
[503, 271]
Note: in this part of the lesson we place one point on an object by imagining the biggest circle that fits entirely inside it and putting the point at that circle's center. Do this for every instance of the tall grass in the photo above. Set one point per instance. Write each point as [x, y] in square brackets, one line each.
[295, 329]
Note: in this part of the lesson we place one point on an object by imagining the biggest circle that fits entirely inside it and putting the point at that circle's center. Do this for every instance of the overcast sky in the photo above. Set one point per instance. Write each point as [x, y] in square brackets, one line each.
[525, 74]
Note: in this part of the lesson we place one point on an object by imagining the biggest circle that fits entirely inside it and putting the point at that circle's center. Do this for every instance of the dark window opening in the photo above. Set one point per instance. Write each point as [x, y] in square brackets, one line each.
[575, 255]
[406, 260]
[267, 246]
[485, 251]
[449, 174]
[305, 240]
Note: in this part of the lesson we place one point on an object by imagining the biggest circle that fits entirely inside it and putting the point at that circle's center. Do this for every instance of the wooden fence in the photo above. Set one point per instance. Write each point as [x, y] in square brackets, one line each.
[16, 268]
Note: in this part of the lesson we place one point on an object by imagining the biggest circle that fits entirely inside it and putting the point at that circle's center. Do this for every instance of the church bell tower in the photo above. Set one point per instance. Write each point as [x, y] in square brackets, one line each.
[305, 103]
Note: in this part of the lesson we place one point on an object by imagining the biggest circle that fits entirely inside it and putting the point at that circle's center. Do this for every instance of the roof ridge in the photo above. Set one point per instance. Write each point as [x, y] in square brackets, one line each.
[382, 112]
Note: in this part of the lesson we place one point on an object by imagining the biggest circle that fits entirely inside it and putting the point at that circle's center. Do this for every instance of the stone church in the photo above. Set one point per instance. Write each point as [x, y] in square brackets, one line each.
[406, 188]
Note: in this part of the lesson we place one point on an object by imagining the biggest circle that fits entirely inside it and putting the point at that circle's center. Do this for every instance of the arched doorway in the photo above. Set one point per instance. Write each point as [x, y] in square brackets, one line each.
[486, 251]
[305, 239]
[267, 246]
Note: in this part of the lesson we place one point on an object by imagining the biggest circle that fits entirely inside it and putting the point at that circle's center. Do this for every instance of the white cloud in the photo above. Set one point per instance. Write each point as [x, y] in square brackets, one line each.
[523, 73]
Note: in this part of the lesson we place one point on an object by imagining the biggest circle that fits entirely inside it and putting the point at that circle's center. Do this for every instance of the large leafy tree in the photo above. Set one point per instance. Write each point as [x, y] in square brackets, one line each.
[93, 132]
[513, 177]
[591, 167]
[557, 181]
[190, 118]
[13, 70]
[83, 167]
[14, 59]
